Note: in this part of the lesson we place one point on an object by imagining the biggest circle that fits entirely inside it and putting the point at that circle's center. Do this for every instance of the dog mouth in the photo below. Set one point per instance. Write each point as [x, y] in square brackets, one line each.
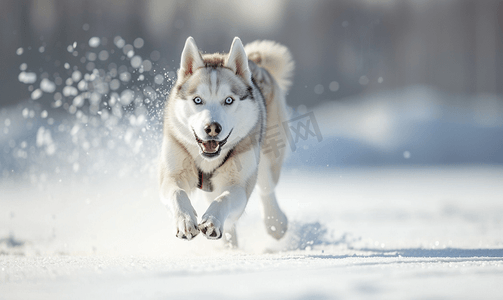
[210, 148]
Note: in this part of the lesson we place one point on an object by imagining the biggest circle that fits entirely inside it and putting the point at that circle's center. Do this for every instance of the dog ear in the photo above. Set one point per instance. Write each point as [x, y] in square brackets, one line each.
[238, 60]
[191, 58]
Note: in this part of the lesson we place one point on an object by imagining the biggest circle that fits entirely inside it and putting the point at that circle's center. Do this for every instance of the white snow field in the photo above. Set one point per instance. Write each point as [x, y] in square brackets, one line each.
[380, 233]
[80, 216]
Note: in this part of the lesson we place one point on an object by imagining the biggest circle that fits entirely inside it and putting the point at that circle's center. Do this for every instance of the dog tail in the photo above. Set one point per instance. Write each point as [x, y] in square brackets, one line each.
[275, 58]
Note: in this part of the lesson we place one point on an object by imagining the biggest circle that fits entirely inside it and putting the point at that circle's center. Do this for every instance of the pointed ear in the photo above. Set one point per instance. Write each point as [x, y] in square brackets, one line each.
[238, 60]
[191, 59]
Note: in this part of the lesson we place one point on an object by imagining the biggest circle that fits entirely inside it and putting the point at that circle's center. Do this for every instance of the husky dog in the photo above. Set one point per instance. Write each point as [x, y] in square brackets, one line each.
[214, 126]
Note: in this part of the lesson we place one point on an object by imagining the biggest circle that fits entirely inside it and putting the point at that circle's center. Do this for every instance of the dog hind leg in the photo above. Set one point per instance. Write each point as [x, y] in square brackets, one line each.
[230, 238]
[275, 221]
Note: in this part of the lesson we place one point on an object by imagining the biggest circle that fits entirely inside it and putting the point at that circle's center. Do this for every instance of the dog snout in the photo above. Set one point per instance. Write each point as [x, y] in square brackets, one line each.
[213, 129]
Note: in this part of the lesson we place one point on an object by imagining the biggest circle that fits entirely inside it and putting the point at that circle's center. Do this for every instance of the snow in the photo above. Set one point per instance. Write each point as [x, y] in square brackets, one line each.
[334, 86]
[36, 94]
[76, 75]
[138, 43]
[47, 86]
[94, 42]
[146, 65]
[136, 61]
[399, 196]
[70, 91]
[127, 97]
[119, 42]
[158, 79]
[27, 77]
[103, 55]
[388, 233]
[125, 76]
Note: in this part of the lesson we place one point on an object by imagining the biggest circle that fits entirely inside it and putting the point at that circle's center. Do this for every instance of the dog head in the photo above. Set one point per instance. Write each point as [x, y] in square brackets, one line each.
[214, 103]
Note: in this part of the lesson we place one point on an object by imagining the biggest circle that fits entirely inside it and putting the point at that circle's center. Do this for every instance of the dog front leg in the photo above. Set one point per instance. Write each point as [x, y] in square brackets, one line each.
[230, 204]
[184, 214]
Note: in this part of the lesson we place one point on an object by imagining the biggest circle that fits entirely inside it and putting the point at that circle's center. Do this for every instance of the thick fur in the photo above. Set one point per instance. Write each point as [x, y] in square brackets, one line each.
[243, 93]
[275, 58]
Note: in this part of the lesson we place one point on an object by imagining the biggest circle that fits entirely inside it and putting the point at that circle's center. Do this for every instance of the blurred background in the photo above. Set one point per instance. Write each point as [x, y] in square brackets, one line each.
[389, 82]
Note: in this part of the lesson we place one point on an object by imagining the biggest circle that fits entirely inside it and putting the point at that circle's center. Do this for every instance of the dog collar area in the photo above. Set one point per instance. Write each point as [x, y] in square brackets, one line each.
[204, 179]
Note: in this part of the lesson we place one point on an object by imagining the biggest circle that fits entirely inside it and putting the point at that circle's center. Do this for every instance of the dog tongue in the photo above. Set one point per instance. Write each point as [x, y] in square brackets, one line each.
[210, 146]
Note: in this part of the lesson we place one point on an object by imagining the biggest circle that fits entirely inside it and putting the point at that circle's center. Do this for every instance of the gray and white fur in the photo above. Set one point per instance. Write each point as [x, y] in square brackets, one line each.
[215, 122]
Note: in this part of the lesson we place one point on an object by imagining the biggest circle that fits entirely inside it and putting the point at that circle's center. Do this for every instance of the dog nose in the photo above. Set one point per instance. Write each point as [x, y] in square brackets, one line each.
[213, 129]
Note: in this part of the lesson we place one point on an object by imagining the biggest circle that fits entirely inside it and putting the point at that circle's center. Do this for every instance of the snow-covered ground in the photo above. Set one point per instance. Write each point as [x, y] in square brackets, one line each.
[398, 197]
[385, 233]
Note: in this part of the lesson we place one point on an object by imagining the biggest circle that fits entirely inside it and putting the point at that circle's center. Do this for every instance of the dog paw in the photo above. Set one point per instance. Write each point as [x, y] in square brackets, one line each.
[229, 237]
[186, 228]
[276, 225]
[211, 228]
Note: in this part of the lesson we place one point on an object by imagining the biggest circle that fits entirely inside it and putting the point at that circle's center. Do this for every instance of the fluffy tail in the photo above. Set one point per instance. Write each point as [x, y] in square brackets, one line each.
[273, 57]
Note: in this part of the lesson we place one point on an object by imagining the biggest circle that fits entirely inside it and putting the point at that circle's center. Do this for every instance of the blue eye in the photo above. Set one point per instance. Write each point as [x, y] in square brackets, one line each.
[229, 100]
[198, 100]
